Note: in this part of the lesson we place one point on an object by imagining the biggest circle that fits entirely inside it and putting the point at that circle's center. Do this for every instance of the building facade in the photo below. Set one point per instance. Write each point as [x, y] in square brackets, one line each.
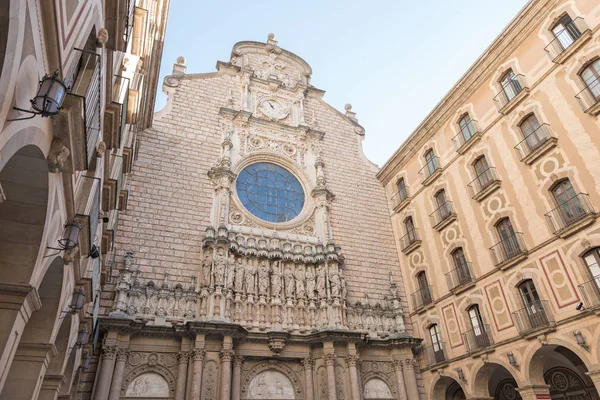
[63, 179]
[494, 202]
[247, 266]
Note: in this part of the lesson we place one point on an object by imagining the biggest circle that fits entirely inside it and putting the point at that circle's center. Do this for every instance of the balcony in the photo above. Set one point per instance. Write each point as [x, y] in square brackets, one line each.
[460, 278]
[511, 94]
[571, 216]
[509, 251]
[443, 216]
[536, 144]
[479, 339]
[110, 231]
[467, 137]
[88, 212]
[567, 41]
[410, 241]
[435, 355]
[484, 185]
[119, 23]
[431, 171]
[113, 183]
[78, 124]
[590, 293]
[534, 319]
[400, 199]
[115, 115]
[422, 298]
[589, 97]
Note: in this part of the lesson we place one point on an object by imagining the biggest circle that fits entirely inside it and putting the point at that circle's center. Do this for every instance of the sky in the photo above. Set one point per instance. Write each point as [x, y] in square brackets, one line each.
[392, 60]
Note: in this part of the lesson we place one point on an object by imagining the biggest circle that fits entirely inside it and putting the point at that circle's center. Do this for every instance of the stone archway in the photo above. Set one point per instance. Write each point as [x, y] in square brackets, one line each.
[376, 388]
[447, 388]
[271, 380]
[495, 380]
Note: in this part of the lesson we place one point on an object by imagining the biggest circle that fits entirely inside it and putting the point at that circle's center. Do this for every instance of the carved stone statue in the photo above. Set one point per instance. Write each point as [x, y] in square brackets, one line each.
[219, 270]
[321, 281]
[288, 276]
[249, 277]
[334, 282]
[230, 271]
[206, 268]
[299, 275]
[275, 280]
[239, 275]
[310, 282]
[343, 288]
[263, 277]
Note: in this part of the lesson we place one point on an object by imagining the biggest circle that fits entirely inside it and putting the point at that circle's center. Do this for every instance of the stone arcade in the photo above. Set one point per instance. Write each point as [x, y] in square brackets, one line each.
[248, 267]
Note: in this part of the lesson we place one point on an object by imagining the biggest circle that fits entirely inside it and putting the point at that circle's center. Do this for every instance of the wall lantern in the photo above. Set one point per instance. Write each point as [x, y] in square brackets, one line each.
[85, 361]
[580, 339]
[82, 337]
[77, 300]
[49, 98]
[512, 360]
[70, 236]
[461, 374]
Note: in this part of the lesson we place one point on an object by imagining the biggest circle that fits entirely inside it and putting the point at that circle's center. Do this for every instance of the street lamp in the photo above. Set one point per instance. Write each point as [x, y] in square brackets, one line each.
[49, 98]
[77, 300]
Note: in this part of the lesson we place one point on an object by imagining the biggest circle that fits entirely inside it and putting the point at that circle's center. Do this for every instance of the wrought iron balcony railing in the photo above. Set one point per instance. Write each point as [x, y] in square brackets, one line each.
[590, 292]
[129, 19]
[565, 38]
[460, 276]
[431, 167]
[466, 133]
[422, 297]
[400, 196]
[533, 317]
[409, 239]
[508, 248]
[569, 213]
[534, 141]
[589, 97]
[509, 91]
[435, 354]
[478, 338]
[120, 96]
[442, 213]
[483, 181]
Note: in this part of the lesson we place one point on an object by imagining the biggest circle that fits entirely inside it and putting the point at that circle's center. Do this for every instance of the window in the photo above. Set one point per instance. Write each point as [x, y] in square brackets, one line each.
[424, 288]
[431, 161]
[510, 85]
[592, 260]
[530, 128]
[460, 263]
[270, 192]
[442, 203]
[402, 190]
[530, 296]
[565, 31]
[466, 127]
[476, 320]
[436, 342]
[591, 77]
[568, 203]
[410, 229]
[507, 237]
[482, 169]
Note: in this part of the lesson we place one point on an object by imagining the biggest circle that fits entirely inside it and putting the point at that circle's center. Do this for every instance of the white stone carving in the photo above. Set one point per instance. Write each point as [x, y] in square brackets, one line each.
[271, 385]
[377, 389]
[148, 385]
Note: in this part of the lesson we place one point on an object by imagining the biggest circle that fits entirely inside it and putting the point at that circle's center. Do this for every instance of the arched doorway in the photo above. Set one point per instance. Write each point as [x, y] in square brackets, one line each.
[447, 388]
[564, 371]
[495, 380]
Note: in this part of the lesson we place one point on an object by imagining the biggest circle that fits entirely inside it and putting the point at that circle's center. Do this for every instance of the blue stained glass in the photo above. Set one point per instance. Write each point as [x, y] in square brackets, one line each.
[270, 192]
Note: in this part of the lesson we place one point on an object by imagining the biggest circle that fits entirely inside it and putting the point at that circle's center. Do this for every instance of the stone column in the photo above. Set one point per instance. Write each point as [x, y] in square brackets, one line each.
[531, 392]
[400, 380]
[226, 356]
[198, 360]
[410, 379]
[237, 377]
[117, 380]
[308, 364]
[595, 377]
[182, 359]
[330, 363]
[107, 367]
[352, 361]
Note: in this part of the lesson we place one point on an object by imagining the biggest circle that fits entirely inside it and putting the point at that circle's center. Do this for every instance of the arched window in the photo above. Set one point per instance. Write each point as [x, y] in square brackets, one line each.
[409, 225]
[530, 296]
[442, 203]
[431, 161]
[565, 31]
[460, 263]
[591, 77]
[424, 288]
[532, 132]
[402, 190]
[568, 203]
[510, 84]
[482, 170]
[476, 320]
[436, 343]
[507, 236]
[592, 260]
[466, 126]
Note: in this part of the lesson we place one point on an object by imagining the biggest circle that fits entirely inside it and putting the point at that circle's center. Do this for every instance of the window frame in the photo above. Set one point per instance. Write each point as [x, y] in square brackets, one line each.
[431, 161]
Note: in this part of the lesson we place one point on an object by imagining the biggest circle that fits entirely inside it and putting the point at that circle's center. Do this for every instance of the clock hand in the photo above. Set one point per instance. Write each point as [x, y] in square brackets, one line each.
[271, 105]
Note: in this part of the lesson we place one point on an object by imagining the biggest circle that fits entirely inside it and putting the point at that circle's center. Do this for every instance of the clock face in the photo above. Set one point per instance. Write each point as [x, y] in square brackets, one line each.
[273, 109]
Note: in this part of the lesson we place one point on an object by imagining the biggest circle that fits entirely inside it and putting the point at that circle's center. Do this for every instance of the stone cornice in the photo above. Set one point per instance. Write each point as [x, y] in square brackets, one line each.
[485, 66]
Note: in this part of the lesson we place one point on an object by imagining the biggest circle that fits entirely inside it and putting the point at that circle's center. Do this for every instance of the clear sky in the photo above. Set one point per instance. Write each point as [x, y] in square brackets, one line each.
[392, 60]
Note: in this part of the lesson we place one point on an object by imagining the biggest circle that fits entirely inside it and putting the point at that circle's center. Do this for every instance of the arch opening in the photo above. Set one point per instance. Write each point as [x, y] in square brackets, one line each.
[494, 380]
[447, 388]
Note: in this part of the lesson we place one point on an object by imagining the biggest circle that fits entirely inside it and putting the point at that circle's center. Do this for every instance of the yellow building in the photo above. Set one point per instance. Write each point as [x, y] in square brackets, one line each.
[494, 201]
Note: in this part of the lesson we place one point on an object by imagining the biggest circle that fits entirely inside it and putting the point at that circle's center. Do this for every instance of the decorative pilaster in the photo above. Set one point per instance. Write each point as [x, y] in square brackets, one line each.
[595, 377]
[308, 364]
[410, 379]
[352, 362]
[330, 363]
[198, 360]
[117, 380]
[237, 377]
[226, 356]
[397, 364]
[182, 359]
[107, 367]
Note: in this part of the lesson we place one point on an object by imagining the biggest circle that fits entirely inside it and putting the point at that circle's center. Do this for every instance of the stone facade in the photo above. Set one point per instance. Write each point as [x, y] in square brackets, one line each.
[502, 261]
